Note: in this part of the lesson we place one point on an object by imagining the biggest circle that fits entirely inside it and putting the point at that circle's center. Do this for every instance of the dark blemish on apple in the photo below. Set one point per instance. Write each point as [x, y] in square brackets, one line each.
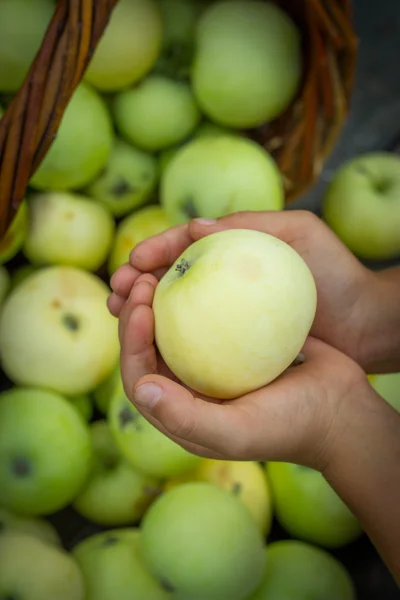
[70, 322]
[55, 304]
[127, 416]
[21, 467]
[110, 540]
[167, 586]
[189, 208]
[237, 488]
[122, 187]
[182, 266]
[69, 216]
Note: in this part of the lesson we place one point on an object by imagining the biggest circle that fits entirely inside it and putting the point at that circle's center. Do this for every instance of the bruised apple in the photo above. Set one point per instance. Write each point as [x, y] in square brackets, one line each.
[233, 312]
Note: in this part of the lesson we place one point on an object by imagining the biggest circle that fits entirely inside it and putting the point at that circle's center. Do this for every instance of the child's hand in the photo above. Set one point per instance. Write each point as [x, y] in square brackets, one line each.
[297, 418]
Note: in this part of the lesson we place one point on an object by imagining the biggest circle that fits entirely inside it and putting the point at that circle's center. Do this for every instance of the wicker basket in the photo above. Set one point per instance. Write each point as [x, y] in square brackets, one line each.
[300, 140]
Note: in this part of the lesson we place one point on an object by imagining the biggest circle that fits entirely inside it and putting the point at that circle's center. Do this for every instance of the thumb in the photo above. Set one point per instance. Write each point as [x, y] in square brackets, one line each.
[181, 415]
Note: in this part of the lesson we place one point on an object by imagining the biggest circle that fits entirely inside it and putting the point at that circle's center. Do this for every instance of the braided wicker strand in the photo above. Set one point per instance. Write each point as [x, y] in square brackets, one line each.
[30, 123]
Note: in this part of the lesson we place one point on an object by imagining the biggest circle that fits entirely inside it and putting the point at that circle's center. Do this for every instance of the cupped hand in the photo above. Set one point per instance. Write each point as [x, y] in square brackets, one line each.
[297, 418]
[343, 283]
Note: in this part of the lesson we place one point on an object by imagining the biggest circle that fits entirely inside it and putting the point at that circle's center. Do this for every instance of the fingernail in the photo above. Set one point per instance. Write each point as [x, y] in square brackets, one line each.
[205, 221]
[147, 395]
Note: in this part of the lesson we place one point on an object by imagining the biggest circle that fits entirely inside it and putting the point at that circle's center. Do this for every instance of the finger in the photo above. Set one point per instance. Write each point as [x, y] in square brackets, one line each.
[142, 293]
[161, 250]
[122, 280]
[115, 304]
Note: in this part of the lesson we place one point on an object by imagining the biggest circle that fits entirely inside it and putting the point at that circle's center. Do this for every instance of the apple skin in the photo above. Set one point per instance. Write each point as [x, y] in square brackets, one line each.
[298, 570]
[317, 515]
[128, 181]
[23, 24]
[68, 229]
[21, 273]
[5, 284]
[14, 237]
[56, 331]
[214, 329]
[113, 568]
[203, 543]
[156, 114]
[135, 228]
[115, 493]
[45, 451]
[83, 405]
[248, 63]
[103, 394]
[35, 526]
[213, 176]
[82, 147]
[362, 205]
[144, 446]
[129, 46]
[387, 385]
[31, 569]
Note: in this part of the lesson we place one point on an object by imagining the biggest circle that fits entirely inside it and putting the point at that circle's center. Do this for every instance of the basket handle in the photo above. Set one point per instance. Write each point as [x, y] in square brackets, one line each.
[30, 123]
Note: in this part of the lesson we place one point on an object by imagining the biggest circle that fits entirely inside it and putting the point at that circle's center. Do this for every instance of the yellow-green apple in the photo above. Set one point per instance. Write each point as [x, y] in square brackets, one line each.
[248, 66]
[233, 312]
[135, 228]
[35, 526]
[13, 240]
[115, 493]
[19, 274]
[297, 570]
[129, 46]
[144, 446]
[56, 331]
[68, 229]
[104, 392]
[113, 568]
[128, 180]
[82, 146]
[5, 284]
[45, 451]
[201, 542]
[388, 386]
[213, 176]
[32, 569]
[362, 205]
[23, 24]
[308, 508]
[83, 404]
[157, 113]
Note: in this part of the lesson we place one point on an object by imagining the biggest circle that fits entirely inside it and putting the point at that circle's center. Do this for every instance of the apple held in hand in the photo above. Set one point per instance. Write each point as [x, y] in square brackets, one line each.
[35, 526]
[388, 386]
[296, 570]
[248, 62]
[56, 331]
[128, 180]
[115, 492]
[45, 451]
[362, 205]
[233, 312]
[113, 568]
[308, 508]
[68, 229]
[82, 146]
[31, 569]
[14, 237]
[129, 46]
[157, 113]
[213, 176]
[203, 543]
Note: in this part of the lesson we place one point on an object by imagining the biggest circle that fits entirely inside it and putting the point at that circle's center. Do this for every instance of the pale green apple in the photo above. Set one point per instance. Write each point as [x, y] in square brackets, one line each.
[388, 386]
[23, 25]
[82, 147]
[128, 180]
[5, 284]
[113, 568]
[203, 543]
[144, 446]
[83, 404]
[296, 570]
[115, 492]
[19, 274]
[135, 228]
[45, 451]
[31, 569]
[56, 331]
[362, 205]
[13, 240]
[35, 526]
[104, 392]
[248, 63]
[129, 46]
[213, 176]
[233, 312]
[68, 229]
[157, 113]
[308, 507]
